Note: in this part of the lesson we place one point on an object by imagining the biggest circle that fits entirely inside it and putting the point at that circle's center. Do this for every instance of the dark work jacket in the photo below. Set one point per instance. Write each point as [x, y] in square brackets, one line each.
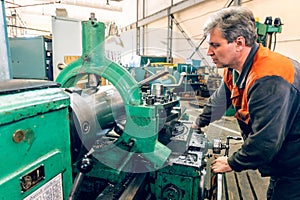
[266, 96]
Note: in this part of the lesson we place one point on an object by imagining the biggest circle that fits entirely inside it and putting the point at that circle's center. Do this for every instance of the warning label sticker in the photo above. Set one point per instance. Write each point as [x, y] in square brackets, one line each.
[52, 190]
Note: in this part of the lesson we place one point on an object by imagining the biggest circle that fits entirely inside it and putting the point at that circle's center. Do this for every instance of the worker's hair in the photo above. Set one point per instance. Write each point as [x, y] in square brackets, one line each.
[233, 22]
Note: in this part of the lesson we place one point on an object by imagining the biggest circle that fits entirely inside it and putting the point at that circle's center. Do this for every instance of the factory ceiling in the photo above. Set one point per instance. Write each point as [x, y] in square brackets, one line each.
[36, 15]
[111, 5]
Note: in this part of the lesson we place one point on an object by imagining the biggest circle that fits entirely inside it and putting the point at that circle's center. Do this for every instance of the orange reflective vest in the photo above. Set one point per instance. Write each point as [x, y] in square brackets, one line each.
[265, 63]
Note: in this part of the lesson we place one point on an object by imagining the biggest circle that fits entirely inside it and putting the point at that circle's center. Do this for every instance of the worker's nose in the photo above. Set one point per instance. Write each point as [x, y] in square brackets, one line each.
[210, 51]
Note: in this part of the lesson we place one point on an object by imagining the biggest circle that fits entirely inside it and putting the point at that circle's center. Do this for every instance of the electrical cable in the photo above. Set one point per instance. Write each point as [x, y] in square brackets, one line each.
[275, 41]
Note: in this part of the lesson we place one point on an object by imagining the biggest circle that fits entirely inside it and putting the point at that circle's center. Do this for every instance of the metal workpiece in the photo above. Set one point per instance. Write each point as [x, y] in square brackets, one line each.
[93, 115]
[103, 109]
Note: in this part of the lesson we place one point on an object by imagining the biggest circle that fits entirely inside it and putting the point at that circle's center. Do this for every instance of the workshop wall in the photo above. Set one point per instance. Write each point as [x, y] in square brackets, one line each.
[192, 20]
[288, 41]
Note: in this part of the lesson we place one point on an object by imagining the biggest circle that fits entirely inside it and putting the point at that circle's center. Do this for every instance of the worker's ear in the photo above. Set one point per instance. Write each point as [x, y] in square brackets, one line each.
[240, 42]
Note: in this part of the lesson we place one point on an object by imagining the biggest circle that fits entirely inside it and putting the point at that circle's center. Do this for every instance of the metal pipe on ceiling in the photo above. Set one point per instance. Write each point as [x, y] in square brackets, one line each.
[80, 3]
[27, 5]
[91, 4]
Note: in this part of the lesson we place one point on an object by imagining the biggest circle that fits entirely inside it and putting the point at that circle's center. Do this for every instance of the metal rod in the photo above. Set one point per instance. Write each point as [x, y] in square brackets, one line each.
[77, 183]
[182, 76]
[154, 77]
[132, 189]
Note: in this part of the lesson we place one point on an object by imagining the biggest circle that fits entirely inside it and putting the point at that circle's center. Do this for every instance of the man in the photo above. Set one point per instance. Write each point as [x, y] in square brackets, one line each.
[264, 88]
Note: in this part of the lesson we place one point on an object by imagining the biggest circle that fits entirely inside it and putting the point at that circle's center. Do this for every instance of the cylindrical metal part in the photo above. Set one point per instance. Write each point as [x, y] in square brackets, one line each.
[93, 115]
[104, 107]
[93, 35]
[157, 89]
[109, 106]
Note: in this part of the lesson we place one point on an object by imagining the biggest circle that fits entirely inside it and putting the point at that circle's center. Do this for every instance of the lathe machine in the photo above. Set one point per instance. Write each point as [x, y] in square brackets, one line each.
[76, 139]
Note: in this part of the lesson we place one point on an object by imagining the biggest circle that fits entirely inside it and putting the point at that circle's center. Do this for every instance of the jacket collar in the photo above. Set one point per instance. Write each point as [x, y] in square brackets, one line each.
[241, 80]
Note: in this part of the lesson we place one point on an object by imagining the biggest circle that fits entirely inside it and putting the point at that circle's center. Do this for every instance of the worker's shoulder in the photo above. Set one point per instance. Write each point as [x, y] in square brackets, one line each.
[267, 63]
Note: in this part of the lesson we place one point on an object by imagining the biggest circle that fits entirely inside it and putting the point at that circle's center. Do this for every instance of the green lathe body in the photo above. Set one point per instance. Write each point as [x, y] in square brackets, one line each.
[34, 141]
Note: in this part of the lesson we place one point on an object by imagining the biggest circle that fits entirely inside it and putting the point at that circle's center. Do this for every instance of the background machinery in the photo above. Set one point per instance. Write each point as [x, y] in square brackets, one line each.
[267, 31]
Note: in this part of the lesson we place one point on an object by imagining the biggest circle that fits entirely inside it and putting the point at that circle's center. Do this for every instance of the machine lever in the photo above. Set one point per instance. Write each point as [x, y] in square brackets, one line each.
[227, 143]
[182, 76]
[154, 77]
[84, 166]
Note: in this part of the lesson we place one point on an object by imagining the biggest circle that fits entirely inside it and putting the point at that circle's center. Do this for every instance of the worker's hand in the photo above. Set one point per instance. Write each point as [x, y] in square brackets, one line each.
[195, 126]
[220, 165]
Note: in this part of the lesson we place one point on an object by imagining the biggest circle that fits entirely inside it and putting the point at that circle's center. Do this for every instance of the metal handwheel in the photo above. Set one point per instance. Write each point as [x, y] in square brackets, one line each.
[218, 180]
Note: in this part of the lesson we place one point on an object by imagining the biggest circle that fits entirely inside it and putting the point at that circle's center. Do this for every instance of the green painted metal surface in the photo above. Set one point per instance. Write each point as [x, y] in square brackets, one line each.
[34, 134]
[140, 137]
[177, 182]
[266, 29]
[142, 127]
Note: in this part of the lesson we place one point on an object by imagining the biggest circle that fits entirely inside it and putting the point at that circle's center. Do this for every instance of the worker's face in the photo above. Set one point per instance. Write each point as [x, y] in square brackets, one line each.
[221, 52]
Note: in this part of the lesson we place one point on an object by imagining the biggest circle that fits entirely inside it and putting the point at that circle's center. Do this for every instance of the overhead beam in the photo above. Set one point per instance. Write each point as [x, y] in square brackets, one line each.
[92, 5]
[170, 10]
[89, 4]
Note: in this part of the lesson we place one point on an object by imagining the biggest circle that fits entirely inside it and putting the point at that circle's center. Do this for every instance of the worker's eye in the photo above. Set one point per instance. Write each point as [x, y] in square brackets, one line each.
[214, 45]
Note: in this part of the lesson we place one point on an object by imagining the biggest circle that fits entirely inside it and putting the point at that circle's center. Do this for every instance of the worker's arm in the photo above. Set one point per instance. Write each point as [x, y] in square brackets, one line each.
[216, 106]
[269, 108]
